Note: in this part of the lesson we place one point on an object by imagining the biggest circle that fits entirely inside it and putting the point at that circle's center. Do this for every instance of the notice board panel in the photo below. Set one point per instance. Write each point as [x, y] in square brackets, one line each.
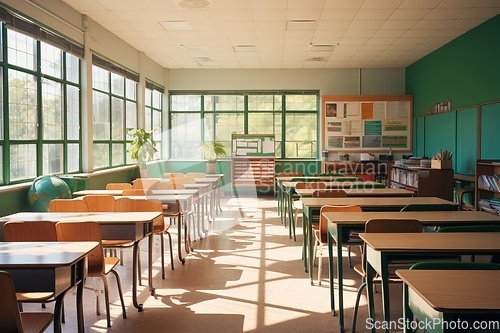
[252, 145]
[367, 122]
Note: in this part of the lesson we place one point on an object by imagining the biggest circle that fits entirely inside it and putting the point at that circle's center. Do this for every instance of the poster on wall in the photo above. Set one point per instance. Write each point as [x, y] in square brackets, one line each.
[367, 124]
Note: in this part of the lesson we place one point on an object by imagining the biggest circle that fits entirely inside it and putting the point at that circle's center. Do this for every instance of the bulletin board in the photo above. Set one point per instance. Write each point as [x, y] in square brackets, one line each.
[252, 145]
[367, 122]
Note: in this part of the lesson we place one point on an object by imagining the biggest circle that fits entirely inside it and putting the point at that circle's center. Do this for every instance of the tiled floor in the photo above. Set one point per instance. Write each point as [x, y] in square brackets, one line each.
[246, 276]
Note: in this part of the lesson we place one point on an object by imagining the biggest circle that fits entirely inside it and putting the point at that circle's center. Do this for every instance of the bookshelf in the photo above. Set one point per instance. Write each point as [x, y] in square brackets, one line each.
[367, 170]
[424, 182]
[488, 185]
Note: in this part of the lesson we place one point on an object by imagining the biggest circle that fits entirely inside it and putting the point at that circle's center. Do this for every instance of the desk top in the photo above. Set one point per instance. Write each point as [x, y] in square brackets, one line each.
[325, 178]
[428, 218]
[153, 192]
[42, 254]
[333, 184]
[460, 242]
[102, 218]
[389, 202]
[455, 290]
[360, 192]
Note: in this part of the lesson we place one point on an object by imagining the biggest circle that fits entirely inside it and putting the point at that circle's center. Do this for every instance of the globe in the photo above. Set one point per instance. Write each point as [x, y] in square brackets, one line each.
[44, 189]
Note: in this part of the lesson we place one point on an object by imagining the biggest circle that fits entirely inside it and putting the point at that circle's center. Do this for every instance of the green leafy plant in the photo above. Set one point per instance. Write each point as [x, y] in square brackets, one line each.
[212, 150]
[143, 146]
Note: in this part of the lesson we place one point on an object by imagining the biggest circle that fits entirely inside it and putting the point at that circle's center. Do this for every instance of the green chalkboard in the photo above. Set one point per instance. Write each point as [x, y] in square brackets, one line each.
[466, 153]
[440, 133]
[490, 131]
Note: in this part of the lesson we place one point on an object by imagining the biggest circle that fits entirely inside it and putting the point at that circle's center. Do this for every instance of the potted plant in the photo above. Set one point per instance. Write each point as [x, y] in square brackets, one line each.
[143, 147]
[211, 151]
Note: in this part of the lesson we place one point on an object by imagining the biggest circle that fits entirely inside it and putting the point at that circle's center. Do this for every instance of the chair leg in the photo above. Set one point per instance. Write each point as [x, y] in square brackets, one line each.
[349, 255]
[97, 300]
[162, 249]
[139, 275]
[119, 285]
[106, 299]
[171, 252]
[320, 261]
[356, 306]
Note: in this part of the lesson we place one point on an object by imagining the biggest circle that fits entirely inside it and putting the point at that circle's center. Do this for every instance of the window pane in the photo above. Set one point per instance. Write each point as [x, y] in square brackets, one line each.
[149, 120]
[22, 162]
[117, 115]
[22, 106]
[100, 79]
[52, 113]
[117, 85]
[301, 136]
[131, 87]
[21, 50]
[73, 113]
[157, 124]
[225, 103]
[51, 58]
[185, 103]
[157, 99]
[301, 103]
[185, 135]
[101, 155]
[131, 116]
[72, 68]
[225, 124]
[53, 161]
[101, 116]
[73, 157]
[1, 106]
[1, 164]
[265, 103]
[118, 157]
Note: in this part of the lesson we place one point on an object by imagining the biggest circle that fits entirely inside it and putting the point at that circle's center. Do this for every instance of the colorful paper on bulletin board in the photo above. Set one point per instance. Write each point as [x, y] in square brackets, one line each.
[334, 126]
[372, 141]
[394, 141]
[373, 127]
[366, 110]
[331, 109]
[352, 142]
[395, 126]
[335, 141]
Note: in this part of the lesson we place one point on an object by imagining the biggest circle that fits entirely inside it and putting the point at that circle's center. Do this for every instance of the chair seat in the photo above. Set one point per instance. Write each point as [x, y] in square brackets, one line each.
[35, 322]
[35, 297]
[117, 243]
[297, 205]
[110, 263]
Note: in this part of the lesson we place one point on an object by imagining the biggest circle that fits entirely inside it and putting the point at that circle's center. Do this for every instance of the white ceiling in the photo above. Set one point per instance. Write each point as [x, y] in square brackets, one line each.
[287, 33]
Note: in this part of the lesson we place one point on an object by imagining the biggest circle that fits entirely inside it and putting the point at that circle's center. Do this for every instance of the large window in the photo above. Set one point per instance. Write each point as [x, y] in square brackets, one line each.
[291, 116]
[114, 111]
[41, 131]
[153, 113]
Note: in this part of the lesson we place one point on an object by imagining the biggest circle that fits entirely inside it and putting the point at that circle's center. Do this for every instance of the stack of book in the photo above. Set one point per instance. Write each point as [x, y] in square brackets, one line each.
[489, 182]
[491, 205]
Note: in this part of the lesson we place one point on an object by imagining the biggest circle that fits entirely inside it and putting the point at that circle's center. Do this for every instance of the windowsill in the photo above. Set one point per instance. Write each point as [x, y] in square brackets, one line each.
[15, 187]
[99, 172]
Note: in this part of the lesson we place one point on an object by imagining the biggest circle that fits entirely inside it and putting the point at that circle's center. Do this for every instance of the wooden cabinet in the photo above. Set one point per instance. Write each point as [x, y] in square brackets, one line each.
[253, 171]
[366, 170]
[488, 185]
[424, 182]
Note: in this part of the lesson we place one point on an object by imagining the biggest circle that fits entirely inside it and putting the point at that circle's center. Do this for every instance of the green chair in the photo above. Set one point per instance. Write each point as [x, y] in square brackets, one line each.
[348, 179]
[427, 207]
[368, 185]
[330, 174]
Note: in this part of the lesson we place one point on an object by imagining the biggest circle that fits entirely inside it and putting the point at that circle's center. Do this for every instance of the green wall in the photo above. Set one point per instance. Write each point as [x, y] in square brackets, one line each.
[466, 70]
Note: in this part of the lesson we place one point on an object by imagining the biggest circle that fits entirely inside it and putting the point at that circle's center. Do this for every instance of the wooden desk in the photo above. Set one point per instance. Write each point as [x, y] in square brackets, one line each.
[382, 247]
[126, 225]
[53, 267]
[312, 206]
[360, 192]
[340, 224]
[435, 296]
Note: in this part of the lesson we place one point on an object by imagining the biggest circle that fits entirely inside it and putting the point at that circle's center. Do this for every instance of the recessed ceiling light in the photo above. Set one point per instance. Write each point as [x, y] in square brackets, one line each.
[301, 25]
[193, 3]
[245, 48]
[321, 47]
[316, 59]
[176, 25]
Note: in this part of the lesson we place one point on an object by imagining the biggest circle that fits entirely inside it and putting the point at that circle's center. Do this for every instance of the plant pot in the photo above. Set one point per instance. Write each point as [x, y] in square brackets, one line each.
[211, 166]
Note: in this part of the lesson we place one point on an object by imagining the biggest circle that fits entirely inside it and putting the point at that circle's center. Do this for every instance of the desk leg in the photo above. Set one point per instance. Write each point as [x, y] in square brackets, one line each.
[58, 313]
[305, 222]
[79, 307]
[150, 264]
[330, 274]
[340, 277]
[384, 276]
[310, 243]
[407, 314]
[135, 274]
[179, 237]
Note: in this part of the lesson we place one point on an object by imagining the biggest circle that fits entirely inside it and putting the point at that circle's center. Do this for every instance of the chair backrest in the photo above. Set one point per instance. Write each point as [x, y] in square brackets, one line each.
[118, 186]
[323, 222]
[100, 203]
[310, 185]
[10, 320]
[172, 175]
[84, 232]
[331, 174]
[135, 192]
[123, 204]
[68, 205]
[21, 231]
[456, 265]
[305, 179]
[426, 207]
[185, 180]
[329, 193]
[170, 186]
[196, 175]
[148, 205]
[348, 179]
[145, 183]
[290, 174]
